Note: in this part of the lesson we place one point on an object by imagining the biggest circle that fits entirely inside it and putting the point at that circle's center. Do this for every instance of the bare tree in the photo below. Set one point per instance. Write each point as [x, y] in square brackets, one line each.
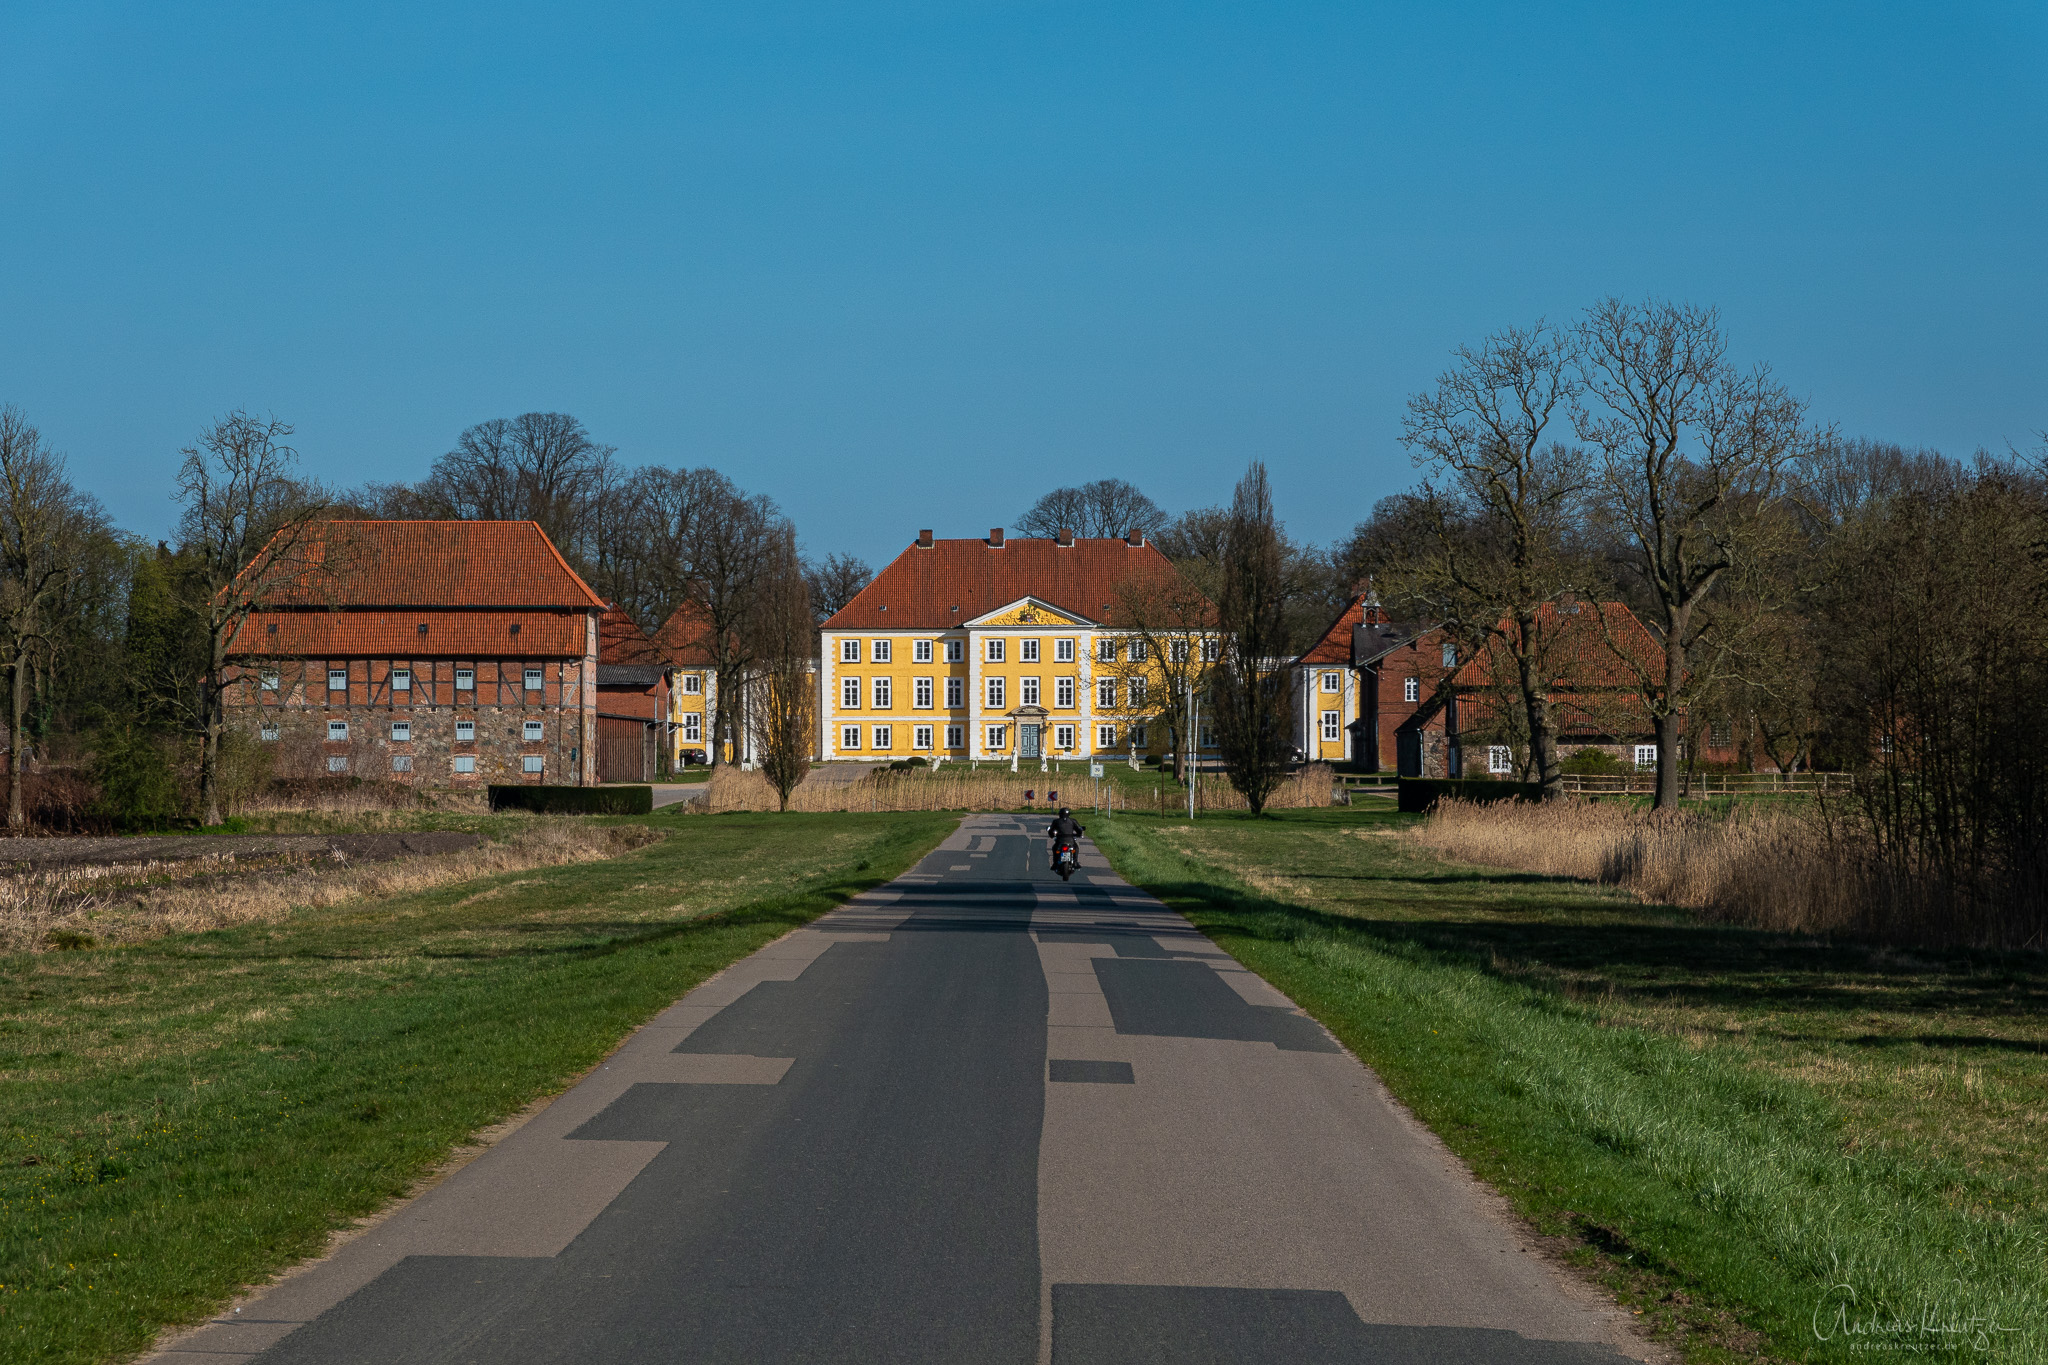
[835, 581]
[728, 551]
[246, 534]
[43, 524]
[1251, 685]
[1168, 637]
[539, 466]
[1500, 505]
[1098, 510]
[784, 714]
[1691, 451]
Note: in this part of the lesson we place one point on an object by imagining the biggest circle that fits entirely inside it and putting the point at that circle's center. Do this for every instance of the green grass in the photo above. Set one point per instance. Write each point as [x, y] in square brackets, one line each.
[187, 1115]
[1723, 1124]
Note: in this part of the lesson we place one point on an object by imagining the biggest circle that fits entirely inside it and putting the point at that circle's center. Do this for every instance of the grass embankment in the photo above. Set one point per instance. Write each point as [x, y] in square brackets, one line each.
[190, 1114]
[1729, 1124]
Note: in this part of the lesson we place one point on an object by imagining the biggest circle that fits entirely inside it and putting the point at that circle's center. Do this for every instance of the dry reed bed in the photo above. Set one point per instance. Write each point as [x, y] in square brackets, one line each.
[1764, 869]
[125, 903]
[952, 789]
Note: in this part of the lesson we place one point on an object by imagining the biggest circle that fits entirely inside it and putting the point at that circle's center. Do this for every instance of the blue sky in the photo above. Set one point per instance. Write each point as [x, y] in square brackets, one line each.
[911, 265]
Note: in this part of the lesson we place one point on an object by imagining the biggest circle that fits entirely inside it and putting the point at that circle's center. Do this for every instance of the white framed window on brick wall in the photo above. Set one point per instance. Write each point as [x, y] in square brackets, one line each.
[401, 680]
[956, 651]
[268, 680]
[921, 737]
[401, 763]
[1063, 651]
[849, 651]
[849, 694]
[465, 763]
[465, 732]
[956, 736]
[920, 651]
[337, 680]
[996, 650]
[849, 737]
[533, 732]
[532, 763]
[1063, 693]
[269, 730]
[1105, 736]
[1027, 652]
[1500, 758]
[996, 735]
[465, 680]
[1411, 689]
[921, 693]
[535, 679]
[996, 692]
[1027, 691]
[337, 763]
[885, 737]
[693, 727]
[1332, 723]
[881, 690]
[337, 731]
[1105, 693]
[956, 691]
[401, 731]
[1646, 755]
[693, 684]
[1062, 736]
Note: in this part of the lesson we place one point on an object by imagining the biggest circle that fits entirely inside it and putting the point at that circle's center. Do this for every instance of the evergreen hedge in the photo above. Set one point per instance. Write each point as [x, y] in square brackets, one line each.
[574, 800]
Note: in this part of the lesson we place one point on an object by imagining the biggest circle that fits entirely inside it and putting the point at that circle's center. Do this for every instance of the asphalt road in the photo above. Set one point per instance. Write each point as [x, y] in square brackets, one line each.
[977, 1116]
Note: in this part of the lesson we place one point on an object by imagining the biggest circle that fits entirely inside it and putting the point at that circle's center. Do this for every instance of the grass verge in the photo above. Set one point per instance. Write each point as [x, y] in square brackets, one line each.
[181, 1117]
[1769, 1144]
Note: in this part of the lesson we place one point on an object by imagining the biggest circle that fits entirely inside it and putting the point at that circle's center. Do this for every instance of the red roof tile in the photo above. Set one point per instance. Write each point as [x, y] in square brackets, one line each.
[621, 641]
[502, 564]
[921, 587]
[1581, 650]
[685, 638]
[386, 633]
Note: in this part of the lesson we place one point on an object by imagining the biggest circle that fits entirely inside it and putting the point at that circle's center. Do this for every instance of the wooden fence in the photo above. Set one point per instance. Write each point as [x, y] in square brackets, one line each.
[1708, 784]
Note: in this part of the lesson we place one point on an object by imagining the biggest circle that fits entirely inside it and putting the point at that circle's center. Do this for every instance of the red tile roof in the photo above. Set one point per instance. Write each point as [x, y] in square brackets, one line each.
[922, 587]
[621, 641]
[502, 564]
[386, 633]
[685, 638]
[1581, 652]
[1335, 645]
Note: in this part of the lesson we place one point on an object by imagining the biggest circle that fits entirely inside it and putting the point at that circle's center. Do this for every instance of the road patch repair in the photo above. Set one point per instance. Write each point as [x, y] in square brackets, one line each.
[976, 1115]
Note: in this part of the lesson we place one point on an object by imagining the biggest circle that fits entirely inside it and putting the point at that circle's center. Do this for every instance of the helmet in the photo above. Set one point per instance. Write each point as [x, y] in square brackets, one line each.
[1065, 811]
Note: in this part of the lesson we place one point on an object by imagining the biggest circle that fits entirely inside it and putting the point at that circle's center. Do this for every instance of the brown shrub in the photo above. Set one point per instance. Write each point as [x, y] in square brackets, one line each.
[955, 788]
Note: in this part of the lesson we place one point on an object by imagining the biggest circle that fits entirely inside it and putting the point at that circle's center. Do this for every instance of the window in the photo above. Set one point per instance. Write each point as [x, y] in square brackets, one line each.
[533, 733]
[995, 651]
[1028, 689]
[849, 694]
[921, 692]
[337, 680]
[995, 694]
[531, 763]
[1105, 693]
[465, 680]
[693, 684]
[995, 735]
[849, 737]
[1208, 736]
[883, 737]
[1137, 736]
[1332, 726]
[956, 691]
[1646, 755]
[465, 763]
[921, 652]
[1105, 736]
[1411, 689]
[1500, 758]
[1140, 651]
[849, 651]
[337, 764]
[879, 652]
[1105, 650]
[1178, 651]
[956, 651]
[269, 731]
[533, 679]
[401, 731]
[881, 689]
[693, 727]
[267, 680]
[1062, 736]
[920, 736]
[1333, 682]
[1027, 651]
[1137, 688]
[1720, 734]
[401, 763]
[337, 731]
[1063, 693]
[465, 732]
[1063, 651]
[401, 680]
[956, 736]
[1450, 656]
[1212, 650]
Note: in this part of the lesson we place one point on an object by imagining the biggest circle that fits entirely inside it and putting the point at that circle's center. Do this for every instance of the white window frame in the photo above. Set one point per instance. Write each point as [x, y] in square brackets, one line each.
[1212, 650]
[337, 763]
[465, 763]
[849, 651]
[998, 736]
[1063, 651]
[1062, 736]
[879, 651]
[1105, 693]
[920, 736]
[1063, 693]
[337, 732]
[1646, 757]
[1333, 682]
[268, 731]
[1332, 726]
[921, 693]
[849, 738]
[533, 679]
[401, 763]
[1136, 690]
[401, 680]
[920, 651]
[1500, 758]
[693, 684]
[994, 649]
[956, 736]
[532, 763]
[1177, 651]
[268, 681]
[1137, 736]
[1105, 650]
[1450, 656]
[880, 690]
[401, 732]
[465, 680]
[533, 732]
[1411, 689]
[465, 725]
[1140, 651]
[1105, 736]
[334, 673]
[956, 651]
[1027, 652]
[1027, 691]
[884, 738]
[693, 727]
[956, 692]
[849, 694]
[998, 693]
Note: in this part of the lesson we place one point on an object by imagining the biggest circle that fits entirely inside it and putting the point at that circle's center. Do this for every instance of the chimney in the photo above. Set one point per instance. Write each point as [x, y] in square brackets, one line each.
[1065, 539]
[924, 540]
[1135, 538]
[995, 537]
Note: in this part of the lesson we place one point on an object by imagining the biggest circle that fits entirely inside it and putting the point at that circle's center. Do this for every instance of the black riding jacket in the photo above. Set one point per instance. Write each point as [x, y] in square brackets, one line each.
[1065, 826]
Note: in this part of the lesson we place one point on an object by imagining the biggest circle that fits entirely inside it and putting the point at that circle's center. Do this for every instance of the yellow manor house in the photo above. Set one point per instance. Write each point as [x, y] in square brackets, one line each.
[1000, 650]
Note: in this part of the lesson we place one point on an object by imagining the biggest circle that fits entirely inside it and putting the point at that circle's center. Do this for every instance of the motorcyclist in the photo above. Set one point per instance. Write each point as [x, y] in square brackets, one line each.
[1064, 829]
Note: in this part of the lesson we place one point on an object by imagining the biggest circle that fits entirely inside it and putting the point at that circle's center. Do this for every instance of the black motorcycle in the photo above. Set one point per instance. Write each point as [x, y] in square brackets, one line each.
[1065, 858]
